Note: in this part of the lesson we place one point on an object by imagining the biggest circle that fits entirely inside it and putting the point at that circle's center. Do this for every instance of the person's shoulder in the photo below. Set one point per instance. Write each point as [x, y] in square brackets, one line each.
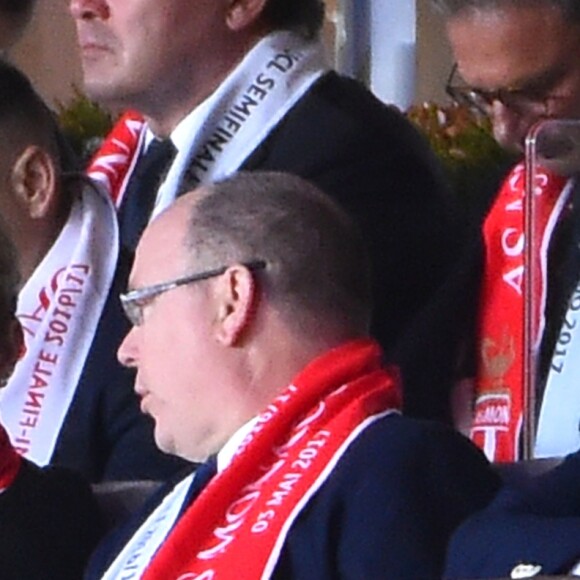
[54, 489]
[400, 434]
[358, 106]
[52, 512]
[419, 450]
[339, 90]
[532, 520]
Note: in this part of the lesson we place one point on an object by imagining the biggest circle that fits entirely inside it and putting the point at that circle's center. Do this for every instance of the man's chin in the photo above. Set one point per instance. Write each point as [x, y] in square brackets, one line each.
[104, 93]
[164, 443]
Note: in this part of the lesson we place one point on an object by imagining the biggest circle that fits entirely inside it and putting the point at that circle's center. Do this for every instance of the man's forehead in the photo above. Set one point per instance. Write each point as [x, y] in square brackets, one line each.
[163, 249]
[508, 46]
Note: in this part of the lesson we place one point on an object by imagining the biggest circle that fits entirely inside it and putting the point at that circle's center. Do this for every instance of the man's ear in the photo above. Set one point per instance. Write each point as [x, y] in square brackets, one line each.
[34, 182]
[244, 13]
[237, 299]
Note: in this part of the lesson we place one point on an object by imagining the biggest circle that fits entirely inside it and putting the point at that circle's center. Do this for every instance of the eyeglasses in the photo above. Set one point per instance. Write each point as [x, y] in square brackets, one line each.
[523, 102]
[134, 301]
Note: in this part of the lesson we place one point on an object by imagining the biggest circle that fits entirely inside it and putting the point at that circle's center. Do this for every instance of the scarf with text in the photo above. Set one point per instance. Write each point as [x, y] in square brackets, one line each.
[557, 433]
[59, 308]
[227, 127]
[499, 386]
[10, 461]
[289, 454]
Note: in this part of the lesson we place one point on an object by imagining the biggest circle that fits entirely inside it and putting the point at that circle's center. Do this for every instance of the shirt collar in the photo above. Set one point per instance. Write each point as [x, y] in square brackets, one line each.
[227, 452]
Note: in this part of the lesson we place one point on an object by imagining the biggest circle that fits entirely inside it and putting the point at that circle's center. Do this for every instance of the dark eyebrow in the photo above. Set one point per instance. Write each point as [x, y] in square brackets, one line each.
[542, 82]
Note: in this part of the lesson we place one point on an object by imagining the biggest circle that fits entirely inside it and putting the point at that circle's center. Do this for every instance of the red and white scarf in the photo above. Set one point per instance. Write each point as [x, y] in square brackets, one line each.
[499, 392]
[10, 461]
[289, 454]
[59, 308]
[113, 163]
[217, 137]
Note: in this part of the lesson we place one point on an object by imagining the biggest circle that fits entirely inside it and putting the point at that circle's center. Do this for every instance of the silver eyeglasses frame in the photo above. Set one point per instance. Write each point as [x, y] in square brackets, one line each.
[134, 300]
[520, 101]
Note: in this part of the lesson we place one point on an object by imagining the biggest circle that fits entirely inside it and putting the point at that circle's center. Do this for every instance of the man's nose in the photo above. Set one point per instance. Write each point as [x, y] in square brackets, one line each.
[127, 353]
[89, 9]
[509, 128]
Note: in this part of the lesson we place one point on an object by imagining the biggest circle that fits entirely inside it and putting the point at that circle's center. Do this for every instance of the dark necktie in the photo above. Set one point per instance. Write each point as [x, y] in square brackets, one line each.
[139, 197]
[203, 475]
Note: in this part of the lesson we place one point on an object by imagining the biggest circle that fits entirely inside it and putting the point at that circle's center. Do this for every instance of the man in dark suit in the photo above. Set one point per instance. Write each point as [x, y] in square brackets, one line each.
[242, 85]
[527, 531]
[68, 402]
[250, 304]
[516, 64]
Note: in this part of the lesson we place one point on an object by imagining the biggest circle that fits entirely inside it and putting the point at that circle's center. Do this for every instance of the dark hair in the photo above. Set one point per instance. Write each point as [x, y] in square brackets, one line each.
[570, 8]
[9, 275]
[302, 16]
[317, 264]
[16, 7]
[24, 113]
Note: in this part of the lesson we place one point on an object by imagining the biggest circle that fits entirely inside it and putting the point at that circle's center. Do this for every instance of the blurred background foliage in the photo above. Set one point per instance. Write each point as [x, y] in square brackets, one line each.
[474, 162]
[84, 123]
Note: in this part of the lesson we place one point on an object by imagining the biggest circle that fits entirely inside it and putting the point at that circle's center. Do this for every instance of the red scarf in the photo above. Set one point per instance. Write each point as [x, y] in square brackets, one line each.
[499, 391]
[10, 461]
[244, 514]
[111, 164]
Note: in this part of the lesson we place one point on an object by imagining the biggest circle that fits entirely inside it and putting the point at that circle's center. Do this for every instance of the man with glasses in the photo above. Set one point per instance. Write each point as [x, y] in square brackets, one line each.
[517, 63]
[250, 301]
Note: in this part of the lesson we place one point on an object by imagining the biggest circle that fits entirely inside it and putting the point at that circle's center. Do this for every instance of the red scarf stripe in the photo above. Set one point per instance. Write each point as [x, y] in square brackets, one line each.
[111, 163]
[499, 387]
[10, 461]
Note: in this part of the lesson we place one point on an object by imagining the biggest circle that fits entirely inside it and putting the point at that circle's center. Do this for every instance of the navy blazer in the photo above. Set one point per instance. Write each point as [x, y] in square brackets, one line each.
[104, 435]
[387, 511]
[536, 524]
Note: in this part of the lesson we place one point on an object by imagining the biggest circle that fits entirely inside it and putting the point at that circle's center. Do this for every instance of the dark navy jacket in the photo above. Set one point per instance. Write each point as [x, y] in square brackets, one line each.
[105, 436]
[387, 510]
[535, 524]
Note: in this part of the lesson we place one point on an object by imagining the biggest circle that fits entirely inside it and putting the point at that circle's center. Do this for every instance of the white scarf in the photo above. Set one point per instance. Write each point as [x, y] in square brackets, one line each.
[558, 427]
[136, 555]
[226, 128]
[59, 308]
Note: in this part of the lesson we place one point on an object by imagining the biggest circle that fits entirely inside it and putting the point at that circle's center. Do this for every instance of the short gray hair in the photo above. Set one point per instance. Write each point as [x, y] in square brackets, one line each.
[450, 8]
[317, 263]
